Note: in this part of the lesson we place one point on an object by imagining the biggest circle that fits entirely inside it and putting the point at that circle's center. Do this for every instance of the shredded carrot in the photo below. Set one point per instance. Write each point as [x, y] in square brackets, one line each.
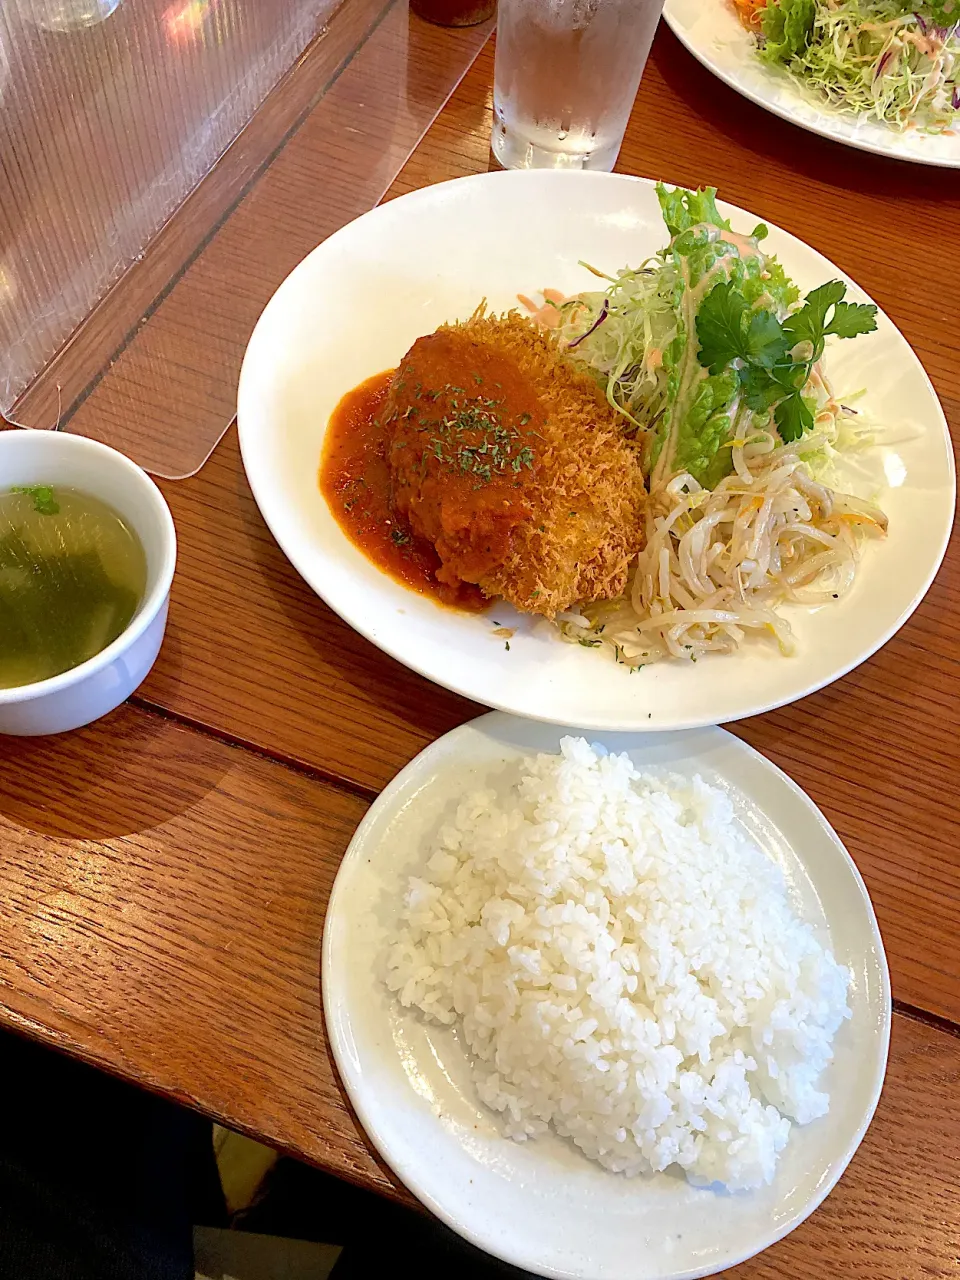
[750, 12]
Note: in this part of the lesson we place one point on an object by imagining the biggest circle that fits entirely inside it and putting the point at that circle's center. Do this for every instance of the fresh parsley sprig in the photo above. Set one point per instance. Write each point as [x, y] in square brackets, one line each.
[776, 357]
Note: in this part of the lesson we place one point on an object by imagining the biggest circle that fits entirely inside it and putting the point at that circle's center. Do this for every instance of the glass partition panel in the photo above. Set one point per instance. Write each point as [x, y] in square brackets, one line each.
[165, 163]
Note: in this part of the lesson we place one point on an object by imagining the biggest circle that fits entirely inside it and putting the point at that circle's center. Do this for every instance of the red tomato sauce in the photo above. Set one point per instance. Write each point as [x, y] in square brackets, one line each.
[355, 481]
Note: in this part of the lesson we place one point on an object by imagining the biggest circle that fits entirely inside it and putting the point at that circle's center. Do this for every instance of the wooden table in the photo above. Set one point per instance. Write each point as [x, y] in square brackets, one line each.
[164, 874]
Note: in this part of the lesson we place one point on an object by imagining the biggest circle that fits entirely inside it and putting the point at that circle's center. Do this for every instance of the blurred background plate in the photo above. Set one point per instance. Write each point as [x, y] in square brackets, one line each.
[715, 36]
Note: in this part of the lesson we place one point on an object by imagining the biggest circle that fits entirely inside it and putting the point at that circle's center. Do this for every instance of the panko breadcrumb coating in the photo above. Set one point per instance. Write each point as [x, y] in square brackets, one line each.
[511, 462]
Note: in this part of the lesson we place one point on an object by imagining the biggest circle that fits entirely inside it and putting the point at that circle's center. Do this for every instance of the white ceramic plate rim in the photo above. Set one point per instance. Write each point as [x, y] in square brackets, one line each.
[258, 433]
[403, 791]
[776, 93]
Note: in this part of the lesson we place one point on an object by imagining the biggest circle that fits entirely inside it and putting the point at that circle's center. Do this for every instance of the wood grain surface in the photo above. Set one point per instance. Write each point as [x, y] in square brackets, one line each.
[163, 897]
[163, 901]
[164, 874]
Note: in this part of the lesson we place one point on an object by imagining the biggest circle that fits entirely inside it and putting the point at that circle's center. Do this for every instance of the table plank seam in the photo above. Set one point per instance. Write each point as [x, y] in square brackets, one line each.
[935, 1021]
[335, 780]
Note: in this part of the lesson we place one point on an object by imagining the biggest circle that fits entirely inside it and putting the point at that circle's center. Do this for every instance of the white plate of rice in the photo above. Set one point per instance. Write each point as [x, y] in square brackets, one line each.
[611, 1007]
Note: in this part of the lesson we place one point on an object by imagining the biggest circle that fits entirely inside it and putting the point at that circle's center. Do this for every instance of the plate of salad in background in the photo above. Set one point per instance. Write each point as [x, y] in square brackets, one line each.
[880, 75]
[726, 475]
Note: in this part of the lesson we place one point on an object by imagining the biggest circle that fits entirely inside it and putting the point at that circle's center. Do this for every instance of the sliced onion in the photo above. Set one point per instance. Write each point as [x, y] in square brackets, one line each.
[718, 563]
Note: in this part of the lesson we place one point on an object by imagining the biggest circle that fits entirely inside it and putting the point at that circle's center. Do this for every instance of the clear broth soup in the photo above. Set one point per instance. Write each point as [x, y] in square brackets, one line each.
[72, 576]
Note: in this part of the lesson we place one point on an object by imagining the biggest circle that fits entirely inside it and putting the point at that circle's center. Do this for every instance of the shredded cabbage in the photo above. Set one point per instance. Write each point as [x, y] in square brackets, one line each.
[871, 57]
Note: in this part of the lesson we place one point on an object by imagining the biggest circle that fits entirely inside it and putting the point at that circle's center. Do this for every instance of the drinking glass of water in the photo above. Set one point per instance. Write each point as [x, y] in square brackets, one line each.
[567, 72]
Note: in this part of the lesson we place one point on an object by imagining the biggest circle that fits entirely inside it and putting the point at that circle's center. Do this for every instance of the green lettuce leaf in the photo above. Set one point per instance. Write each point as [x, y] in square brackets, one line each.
[703, 400]
[696, 420]
[787, 27]
[684, 209]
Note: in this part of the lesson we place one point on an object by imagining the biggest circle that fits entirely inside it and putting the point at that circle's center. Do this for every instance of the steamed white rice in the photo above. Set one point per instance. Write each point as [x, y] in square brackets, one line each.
[625, 966]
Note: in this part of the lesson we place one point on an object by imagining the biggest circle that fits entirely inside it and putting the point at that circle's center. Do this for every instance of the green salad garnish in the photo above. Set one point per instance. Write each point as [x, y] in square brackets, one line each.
[877, 58]
[709, 341]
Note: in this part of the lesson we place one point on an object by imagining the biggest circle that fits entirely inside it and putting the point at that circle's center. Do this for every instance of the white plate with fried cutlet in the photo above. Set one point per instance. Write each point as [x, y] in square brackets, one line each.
[355, 307]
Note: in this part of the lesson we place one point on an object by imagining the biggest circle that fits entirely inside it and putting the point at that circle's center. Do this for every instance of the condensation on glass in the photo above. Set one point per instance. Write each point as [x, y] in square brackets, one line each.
[114, 113]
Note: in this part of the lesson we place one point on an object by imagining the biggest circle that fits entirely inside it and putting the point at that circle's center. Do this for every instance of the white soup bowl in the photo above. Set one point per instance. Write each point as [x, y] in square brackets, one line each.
[88, 691]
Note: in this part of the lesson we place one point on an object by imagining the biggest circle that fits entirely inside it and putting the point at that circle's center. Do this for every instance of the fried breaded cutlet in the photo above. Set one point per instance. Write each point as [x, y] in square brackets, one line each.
[510, 461]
